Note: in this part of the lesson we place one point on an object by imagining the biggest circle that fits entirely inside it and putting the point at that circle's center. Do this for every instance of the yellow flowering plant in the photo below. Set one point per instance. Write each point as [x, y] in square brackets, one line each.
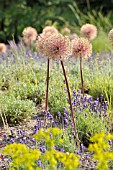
[49, 137]
[24, 158]
[56, 160]
[52, 157]
[101, 149]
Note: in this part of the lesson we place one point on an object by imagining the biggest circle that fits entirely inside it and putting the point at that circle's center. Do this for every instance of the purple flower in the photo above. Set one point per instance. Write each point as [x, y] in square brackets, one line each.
[65, 121]
[79, 91]
[21, 141]
[12, 132]
[19, 132]
[82, 147]
[42, 149]
[40, 163]
[59, 114]
[12, 140]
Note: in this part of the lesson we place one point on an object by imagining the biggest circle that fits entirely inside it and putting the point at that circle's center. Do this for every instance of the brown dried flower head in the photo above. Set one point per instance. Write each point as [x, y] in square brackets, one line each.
[3, 48]
[110, 35]
[29, 35]
[89, 31]
[56, 46]
[81, 47]
[40, 43]
[42, 38]
[50, 30]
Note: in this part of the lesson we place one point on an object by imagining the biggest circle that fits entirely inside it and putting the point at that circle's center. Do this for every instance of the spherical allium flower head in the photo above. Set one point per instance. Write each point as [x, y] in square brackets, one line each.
[3, 48]
[81, 48]
[89, 31]
[29, 35]
[49, 30]
[56, 46]
[110, 35]
[73, 36]
[42, 38]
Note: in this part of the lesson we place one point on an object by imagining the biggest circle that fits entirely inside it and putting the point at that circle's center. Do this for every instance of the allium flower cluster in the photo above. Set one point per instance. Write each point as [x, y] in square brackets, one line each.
[49, 30]
[81, 47]
[3, 48]
[41, 41]
[29, 35]
[55, 46]
[110, 35]
[89, 31]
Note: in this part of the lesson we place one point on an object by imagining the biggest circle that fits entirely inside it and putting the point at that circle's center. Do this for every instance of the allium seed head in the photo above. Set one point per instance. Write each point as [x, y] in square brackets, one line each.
[29, 35]
[110, 35]
[3, 48]
[89, 31]
[55, 46]
[50, 30]
[42, 38]
[81, 48]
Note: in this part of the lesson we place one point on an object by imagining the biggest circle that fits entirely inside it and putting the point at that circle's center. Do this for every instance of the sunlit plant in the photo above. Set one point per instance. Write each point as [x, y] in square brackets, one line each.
[89, 31]
[101, 149]
[24, 158]
[81, 48]
[57, 47]
[29, 35]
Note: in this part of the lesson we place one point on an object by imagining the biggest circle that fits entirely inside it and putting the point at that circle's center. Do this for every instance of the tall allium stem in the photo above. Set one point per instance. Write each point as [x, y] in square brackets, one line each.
[81, 75]
[71, 108]
[47, 87]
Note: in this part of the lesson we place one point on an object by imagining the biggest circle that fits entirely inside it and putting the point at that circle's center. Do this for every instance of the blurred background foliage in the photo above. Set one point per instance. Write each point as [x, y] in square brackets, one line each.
[15, 15]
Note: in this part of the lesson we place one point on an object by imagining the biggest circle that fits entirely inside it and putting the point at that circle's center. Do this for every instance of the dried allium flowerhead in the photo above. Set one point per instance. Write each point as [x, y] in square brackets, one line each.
[56, 46]
[110, 35]
[81, 47]
[3, 48]
[29, 35]
[50, 30]
[73, 36]
[42, 38]
[89, 31]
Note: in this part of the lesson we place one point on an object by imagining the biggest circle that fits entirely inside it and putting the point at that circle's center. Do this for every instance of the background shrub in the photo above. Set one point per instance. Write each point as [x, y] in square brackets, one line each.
[15, 15]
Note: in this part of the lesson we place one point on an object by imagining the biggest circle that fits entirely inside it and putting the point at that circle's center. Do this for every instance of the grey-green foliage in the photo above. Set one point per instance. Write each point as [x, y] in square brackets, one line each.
[27, 91]
[68, 143]
[16, 109]
[58, 96]
[89, 125]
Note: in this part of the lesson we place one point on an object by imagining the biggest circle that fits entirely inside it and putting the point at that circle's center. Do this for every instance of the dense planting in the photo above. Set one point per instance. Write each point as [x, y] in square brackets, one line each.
[74, 88]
